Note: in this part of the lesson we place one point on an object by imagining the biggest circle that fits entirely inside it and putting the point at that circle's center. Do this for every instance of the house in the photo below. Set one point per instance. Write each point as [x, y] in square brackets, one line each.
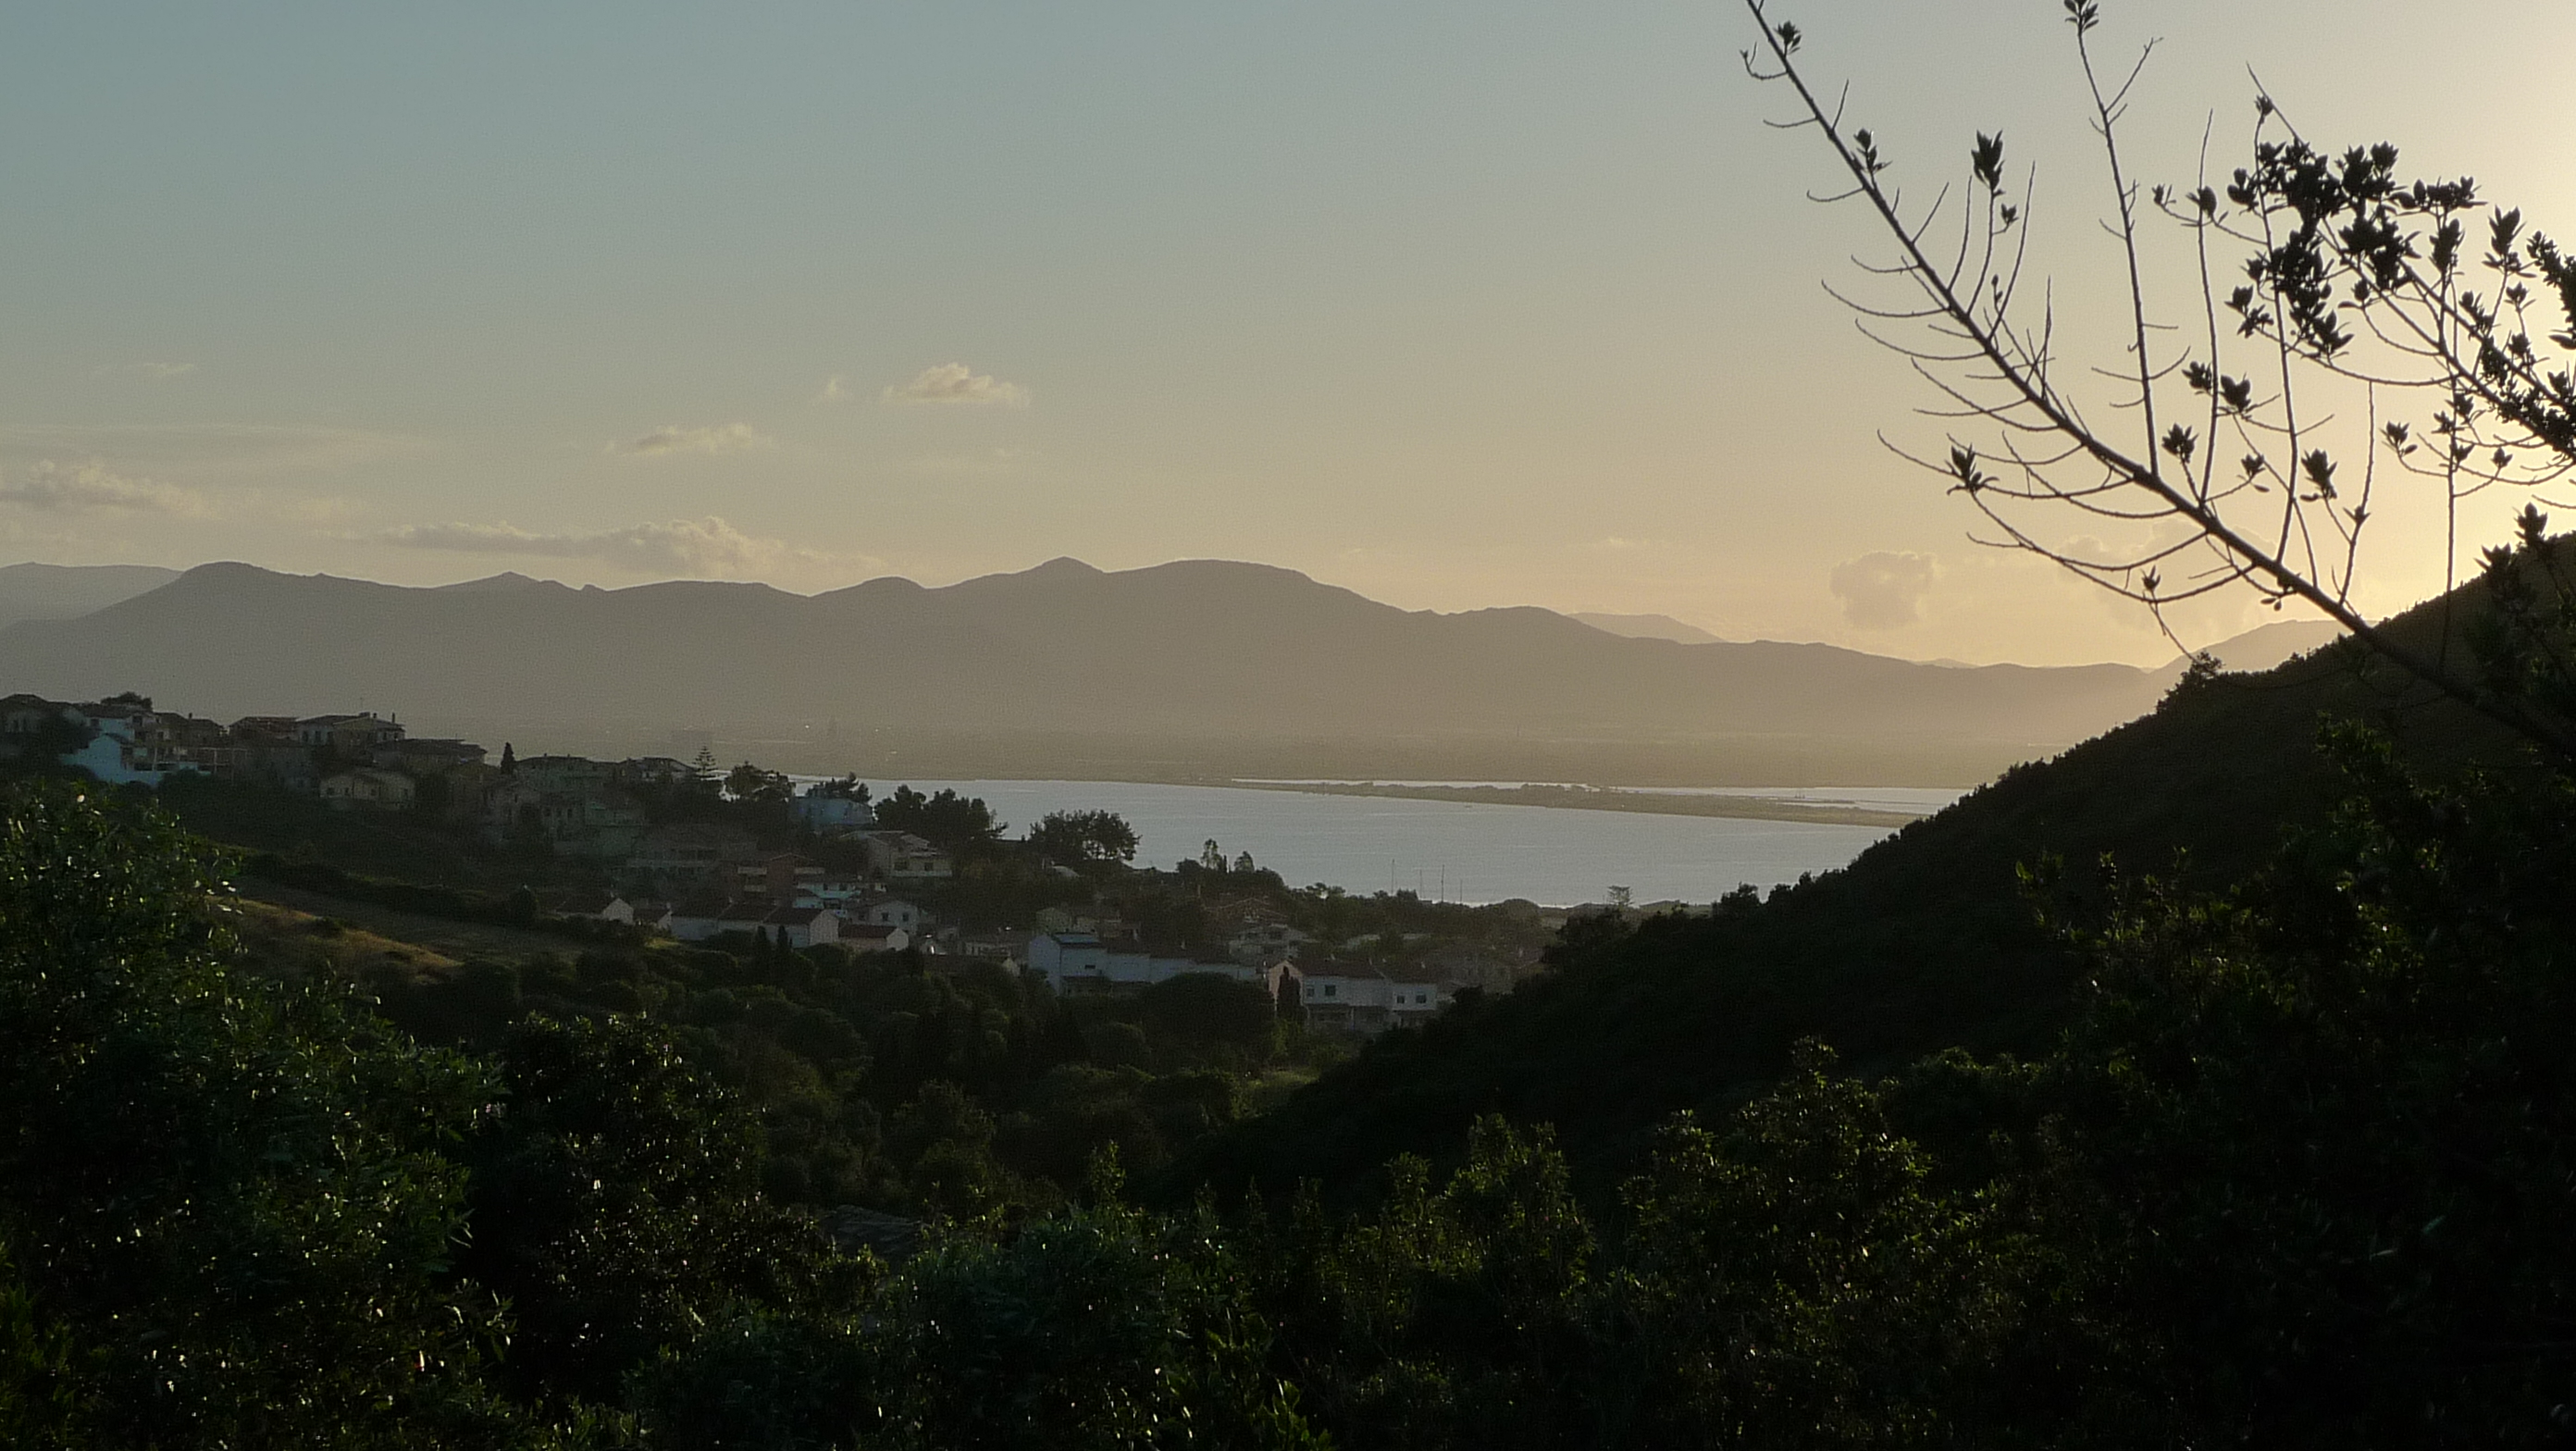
[121, 748]
[803, 927]
[516, 803]
[866, 938]
[900, 856]
[652, 771]
[428, 756]
[568, 775]
[751, 919]
[1265, 941]
[350, 737]
[203, 744]
[368, 790]
[695, 919]
[1079, 962]
[782, 877]
[889, 912]
[598, 907]
[689, 857]
[1005, 949]
[610, 825]
[833, 888]
[830, 815]
[279, 762]
[1359, 997]
[27, 715]
[651, 916]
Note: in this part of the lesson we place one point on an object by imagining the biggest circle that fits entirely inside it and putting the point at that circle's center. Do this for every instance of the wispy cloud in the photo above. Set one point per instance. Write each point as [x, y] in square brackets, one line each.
[84, 488]
[148, 372]
[208, 452]
[708, 546]
[1882, 591]
[836, 389]
[955, 383]
[671, 438]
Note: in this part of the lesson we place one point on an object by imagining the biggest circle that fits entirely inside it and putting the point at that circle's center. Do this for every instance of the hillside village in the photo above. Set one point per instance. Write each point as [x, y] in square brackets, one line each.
[681, 851]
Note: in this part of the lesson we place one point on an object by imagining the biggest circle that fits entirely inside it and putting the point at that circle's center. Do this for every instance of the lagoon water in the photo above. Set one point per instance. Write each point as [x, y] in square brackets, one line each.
[1467, 853]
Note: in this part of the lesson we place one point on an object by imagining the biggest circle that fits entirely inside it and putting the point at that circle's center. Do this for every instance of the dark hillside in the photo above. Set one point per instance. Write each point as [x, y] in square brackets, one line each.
[1926, 942]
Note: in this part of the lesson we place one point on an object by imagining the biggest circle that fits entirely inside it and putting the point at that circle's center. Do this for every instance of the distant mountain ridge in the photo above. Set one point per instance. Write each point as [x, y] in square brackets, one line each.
[1647, 627]
[1193, 647]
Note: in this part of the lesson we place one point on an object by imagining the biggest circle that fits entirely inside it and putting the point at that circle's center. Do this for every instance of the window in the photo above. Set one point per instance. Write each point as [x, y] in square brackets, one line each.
[1328, 989]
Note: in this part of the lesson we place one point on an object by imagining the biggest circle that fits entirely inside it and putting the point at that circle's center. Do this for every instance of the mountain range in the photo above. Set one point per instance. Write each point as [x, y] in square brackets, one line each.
[1195, 651]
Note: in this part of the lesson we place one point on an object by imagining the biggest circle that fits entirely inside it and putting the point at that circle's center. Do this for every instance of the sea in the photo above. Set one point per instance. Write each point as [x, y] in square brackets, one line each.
[1452, 851]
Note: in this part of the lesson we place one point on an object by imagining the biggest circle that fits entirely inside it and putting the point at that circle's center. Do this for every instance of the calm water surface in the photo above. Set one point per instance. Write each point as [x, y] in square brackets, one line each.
[1469, 853]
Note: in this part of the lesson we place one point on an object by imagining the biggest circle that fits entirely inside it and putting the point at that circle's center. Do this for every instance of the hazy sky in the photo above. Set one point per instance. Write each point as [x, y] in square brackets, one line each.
[1455, 304]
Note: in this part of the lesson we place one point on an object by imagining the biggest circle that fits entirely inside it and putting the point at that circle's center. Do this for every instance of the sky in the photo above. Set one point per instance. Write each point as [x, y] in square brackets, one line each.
[1457, 305]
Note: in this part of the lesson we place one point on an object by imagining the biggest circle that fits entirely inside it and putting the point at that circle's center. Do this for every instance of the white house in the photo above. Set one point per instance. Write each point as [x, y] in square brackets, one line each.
[901, 856]
[599, 907]
[803, 927]
[889, 912]
[1360, 998]
[1081, 962]
[119, 751]
[696, 919]
[370, 789]
[868, 938]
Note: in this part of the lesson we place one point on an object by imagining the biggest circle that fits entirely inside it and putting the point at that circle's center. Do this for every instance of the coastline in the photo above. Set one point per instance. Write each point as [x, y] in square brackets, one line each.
[1585, 798]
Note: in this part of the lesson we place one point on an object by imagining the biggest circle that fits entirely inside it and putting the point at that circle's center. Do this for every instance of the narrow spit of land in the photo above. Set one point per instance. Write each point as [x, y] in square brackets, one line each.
[1595, 798]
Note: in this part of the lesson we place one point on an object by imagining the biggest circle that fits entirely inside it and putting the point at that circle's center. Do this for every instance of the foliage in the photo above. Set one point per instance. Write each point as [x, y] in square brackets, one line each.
[1077, 837]
[231, 1197]
[944, 818]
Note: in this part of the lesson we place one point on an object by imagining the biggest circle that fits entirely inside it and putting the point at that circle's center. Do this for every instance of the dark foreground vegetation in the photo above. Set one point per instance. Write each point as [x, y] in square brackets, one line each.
[2275, 1149]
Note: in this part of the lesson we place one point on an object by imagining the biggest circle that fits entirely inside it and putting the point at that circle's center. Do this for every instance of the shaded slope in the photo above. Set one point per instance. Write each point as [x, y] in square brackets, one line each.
[1927, 941]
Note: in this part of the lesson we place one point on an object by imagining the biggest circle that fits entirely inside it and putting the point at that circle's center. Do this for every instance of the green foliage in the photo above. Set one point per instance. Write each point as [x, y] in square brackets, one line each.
[944, 818]
[233, 1195]
[615, 1197]
[1075, 838]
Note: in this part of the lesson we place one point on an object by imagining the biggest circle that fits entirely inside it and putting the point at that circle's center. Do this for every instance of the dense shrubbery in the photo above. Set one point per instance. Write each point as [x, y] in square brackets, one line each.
[2296, 1174]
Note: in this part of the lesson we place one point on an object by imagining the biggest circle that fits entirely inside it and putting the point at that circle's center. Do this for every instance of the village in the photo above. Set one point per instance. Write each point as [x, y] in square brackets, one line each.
[667, 862]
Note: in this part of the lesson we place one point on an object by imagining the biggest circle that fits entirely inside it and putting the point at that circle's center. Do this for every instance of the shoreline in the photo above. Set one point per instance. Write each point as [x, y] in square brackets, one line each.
[1579, 798]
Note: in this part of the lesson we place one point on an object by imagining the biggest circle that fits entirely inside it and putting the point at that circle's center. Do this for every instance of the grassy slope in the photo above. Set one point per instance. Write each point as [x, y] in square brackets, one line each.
[1925, 942]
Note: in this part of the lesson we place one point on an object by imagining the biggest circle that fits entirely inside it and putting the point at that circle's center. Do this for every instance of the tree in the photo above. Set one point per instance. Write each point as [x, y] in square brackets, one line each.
[1077, 837]
[2357, 285]
[224, 1196]
[616, 1204]
[841, 788]
[945, 819]
[509, 759]
[752, 784]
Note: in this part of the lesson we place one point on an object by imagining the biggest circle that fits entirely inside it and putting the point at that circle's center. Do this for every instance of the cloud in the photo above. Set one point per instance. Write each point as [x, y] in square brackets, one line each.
[957, 383]
[209, 452]
[708, 546]
[148, 372]
[671, 438]
[836, 389]
[1882, 591]
[85, 487]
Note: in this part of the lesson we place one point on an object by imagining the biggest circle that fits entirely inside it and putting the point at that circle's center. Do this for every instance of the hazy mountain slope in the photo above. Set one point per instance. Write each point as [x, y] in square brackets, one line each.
[1646, 627]
[68, 591]
[1198, 646]
[1926, 941]
[2267, 646]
